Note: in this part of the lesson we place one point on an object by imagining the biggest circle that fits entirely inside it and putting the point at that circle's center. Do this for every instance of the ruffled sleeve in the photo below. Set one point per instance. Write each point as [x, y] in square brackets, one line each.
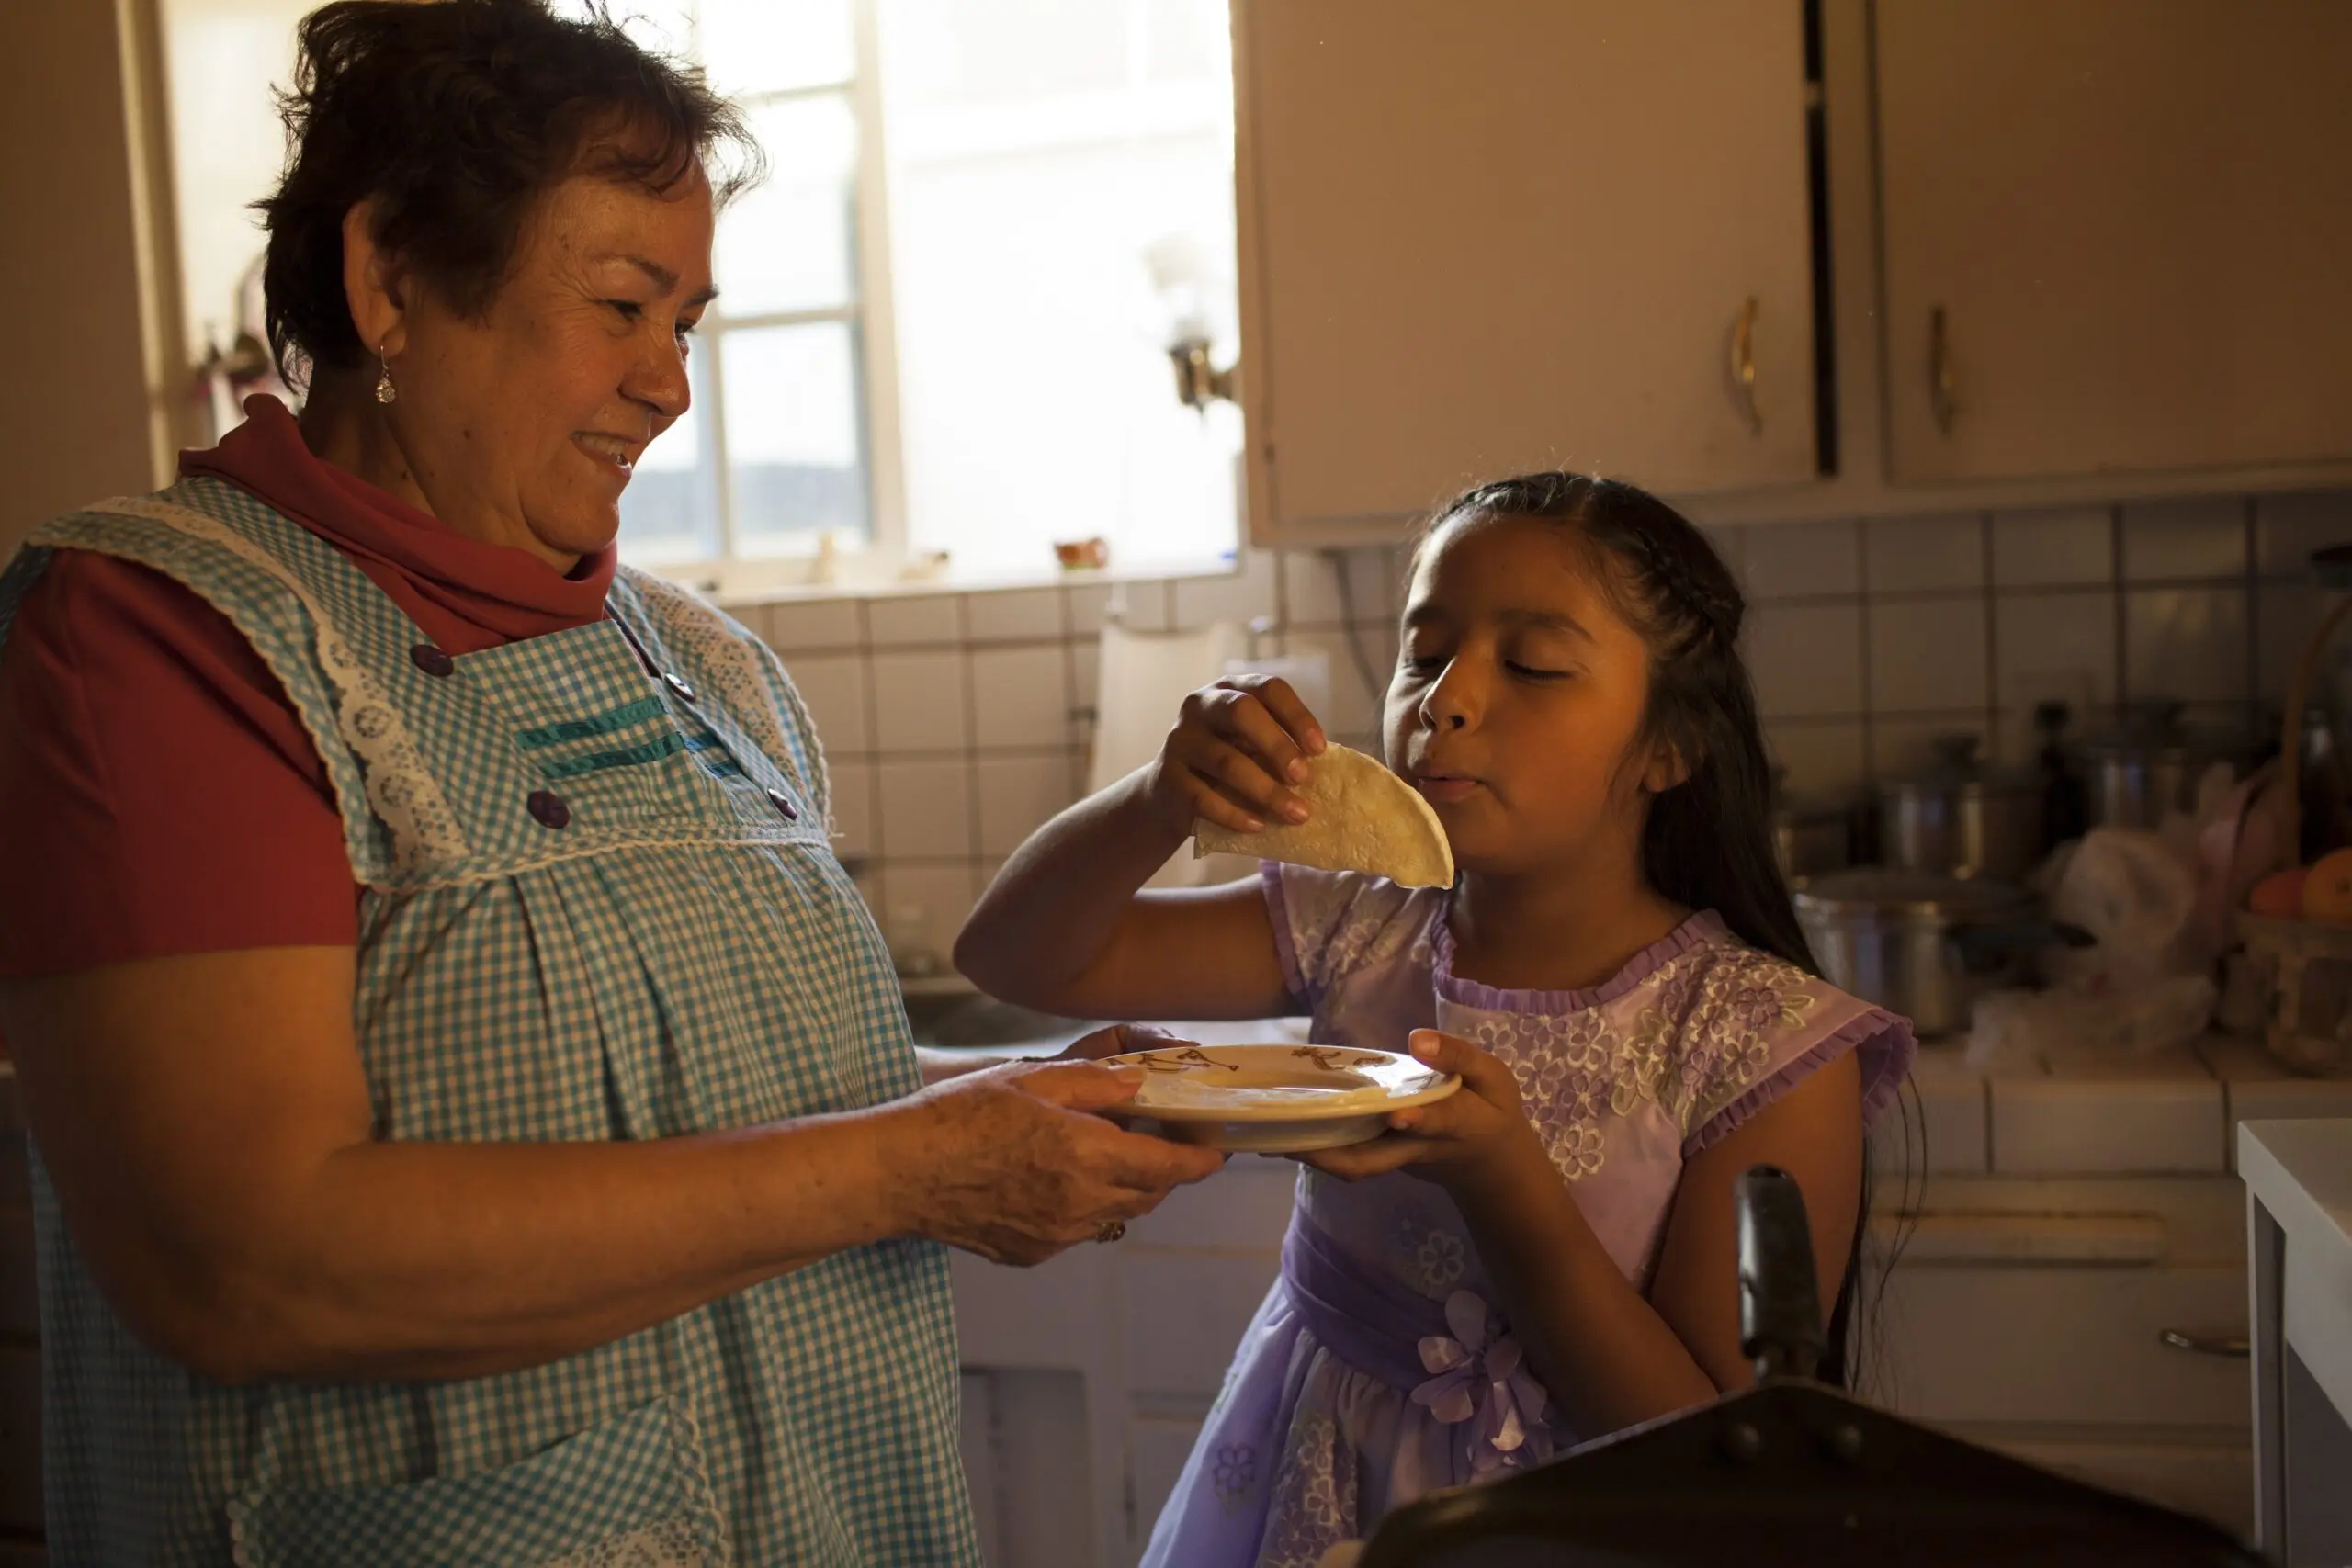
[1330, 923]
[1761, 1026]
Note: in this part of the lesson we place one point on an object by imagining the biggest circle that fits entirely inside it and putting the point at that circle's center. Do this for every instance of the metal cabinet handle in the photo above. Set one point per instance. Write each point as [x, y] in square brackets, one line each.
[2236, 1346]
[1942, 384]
[1743, 363]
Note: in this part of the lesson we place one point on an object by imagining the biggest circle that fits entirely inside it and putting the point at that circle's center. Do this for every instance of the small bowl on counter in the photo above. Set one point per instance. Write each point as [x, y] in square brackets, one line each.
[1923, 945]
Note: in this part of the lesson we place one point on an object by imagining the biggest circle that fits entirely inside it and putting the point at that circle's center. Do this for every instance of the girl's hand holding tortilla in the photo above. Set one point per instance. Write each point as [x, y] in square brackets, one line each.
[1237, 752]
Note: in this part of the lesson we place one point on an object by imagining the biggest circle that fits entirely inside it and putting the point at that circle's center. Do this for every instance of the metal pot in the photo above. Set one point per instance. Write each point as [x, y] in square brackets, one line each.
[2148, 765]
[1961, 818]
[1812, 838]
[1924, 945]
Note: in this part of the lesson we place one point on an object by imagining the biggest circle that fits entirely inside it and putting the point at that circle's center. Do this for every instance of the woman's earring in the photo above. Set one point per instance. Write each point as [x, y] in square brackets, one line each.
[385, 391]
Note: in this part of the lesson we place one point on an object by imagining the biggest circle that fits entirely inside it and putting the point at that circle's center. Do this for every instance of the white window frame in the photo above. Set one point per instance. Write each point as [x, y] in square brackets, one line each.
[885, 560]
[873, 341]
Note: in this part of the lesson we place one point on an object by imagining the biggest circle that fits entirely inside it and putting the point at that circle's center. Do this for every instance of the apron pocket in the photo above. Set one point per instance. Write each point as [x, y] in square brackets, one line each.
[629, 1493]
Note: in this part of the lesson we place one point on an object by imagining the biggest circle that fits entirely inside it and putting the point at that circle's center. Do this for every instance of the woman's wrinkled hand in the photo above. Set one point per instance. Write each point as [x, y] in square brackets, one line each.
[1237, 749]
[1015, 1164]
[1474, 1136]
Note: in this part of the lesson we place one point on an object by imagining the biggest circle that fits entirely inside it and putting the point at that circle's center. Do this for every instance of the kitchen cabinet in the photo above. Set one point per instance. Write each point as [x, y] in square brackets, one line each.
[1519, 235]
[2002, 254]
[2114, 237]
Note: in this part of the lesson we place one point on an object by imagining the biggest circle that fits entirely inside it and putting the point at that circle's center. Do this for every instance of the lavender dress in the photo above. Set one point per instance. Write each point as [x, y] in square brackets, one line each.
[1377, 1370]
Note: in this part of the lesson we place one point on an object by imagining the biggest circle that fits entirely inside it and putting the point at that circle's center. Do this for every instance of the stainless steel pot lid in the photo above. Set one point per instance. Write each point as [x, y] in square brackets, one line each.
[1958, 768]
[1911, 895]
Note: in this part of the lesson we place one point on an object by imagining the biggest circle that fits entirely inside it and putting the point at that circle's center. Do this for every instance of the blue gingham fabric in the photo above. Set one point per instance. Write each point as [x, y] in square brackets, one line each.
[598, 903]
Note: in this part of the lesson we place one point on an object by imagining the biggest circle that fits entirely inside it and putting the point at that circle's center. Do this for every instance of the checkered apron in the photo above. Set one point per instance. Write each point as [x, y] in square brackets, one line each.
[597, 904]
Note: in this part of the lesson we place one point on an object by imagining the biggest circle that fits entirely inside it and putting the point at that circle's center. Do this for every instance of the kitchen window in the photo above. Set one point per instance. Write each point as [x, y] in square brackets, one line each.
[944, 319]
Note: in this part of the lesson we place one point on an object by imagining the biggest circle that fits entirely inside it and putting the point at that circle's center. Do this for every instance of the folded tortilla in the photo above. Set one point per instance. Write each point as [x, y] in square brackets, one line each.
[1362, 817]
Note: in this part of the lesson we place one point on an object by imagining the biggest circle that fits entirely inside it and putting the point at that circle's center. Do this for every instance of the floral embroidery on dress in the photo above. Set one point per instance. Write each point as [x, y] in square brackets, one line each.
[1233, 1474]
[1701, 1039]
[1315, 1498]
[1432, 1259]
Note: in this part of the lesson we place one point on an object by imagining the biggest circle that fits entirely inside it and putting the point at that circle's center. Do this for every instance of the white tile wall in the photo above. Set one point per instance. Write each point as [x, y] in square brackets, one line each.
[799, 625]
[1021, 696]
[922, 905]
[855, 810]
[1822, 756]
[2188, 643]
[1907, 554]
[1018, 793]
[921, 703]
[927, 810]
[1250, 593]
[2196, 539]
[1906, 745]
[1805, 659]
[929, 620]
[1030, 614]
[2286, 616]
[2287, 528]
[834, 687]
[2054, 545]
[2053, 646]
[1928, 654]
[1803, 560]
[948, 716]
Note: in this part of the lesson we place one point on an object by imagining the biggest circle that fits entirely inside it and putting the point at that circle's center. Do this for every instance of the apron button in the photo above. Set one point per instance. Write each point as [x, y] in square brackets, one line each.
[432, 660]
[549, 808]
[784, 806]
[678, 684]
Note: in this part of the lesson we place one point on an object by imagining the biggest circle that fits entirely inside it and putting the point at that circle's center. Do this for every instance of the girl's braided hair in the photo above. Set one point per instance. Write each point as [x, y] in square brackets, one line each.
[1707, 842]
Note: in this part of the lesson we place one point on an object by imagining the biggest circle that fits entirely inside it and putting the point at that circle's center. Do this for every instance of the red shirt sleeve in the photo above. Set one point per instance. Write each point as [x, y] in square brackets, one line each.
[158, 794]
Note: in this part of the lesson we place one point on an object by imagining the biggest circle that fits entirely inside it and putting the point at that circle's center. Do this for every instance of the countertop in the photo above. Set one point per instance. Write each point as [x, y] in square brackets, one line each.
[2169, 1114]
[2300, 1172]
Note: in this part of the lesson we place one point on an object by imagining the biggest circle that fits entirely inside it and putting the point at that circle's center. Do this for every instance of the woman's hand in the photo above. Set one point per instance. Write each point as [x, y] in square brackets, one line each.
[1118, 1041]
[1473, 1138]
[1236, 747]
[1014, 1164]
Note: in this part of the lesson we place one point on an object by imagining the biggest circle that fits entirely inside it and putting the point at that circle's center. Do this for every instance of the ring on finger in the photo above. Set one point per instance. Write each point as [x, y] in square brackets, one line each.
[1112, 1231]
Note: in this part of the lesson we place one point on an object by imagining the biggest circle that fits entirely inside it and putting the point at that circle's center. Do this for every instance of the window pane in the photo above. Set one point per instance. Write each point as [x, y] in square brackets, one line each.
[764, 46]
[668, 512]
[794, 442]
[1004, 51]
[790, 244]
[1046, 245]
[1186, 38]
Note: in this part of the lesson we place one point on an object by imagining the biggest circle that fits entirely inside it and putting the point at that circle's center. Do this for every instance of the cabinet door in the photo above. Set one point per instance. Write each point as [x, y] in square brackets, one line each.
[1490, 236]
[2133, 220]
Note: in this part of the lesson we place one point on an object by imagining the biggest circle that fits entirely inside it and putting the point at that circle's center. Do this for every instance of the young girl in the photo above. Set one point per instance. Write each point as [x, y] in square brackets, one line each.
[1618, 978]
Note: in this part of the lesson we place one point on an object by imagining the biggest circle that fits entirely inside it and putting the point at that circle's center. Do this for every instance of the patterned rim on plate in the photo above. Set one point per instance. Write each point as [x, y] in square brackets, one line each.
[1276, 1083]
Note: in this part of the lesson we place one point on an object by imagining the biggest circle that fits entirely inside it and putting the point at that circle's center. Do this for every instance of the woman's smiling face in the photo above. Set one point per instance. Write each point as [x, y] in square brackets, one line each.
[1517, 704]
[523, 422]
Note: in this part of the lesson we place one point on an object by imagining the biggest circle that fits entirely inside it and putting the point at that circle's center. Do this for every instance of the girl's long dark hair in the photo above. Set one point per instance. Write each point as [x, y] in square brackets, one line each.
[1707, 842]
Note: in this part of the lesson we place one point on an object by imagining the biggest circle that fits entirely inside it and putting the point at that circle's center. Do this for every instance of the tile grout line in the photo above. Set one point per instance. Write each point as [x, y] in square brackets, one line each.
[1871, 771]
[2249, 545]
[2121, 692]
[1992, 635]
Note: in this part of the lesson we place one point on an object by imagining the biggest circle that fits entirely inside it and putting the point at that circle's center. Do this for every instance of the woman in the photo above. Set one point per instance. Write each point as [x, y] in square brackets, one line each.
[476, 1121]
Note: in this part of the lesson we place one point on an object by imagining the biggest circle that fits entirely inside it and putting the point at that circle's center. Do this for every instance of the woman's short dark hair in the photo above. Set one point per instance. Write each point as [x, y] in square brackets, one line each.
[455, 117]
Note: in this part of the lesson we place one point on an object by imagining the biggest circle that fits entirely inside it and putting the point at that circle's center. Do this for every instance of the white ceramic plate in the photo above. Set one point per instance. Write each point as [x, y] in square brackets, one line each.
[1274, 1100]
